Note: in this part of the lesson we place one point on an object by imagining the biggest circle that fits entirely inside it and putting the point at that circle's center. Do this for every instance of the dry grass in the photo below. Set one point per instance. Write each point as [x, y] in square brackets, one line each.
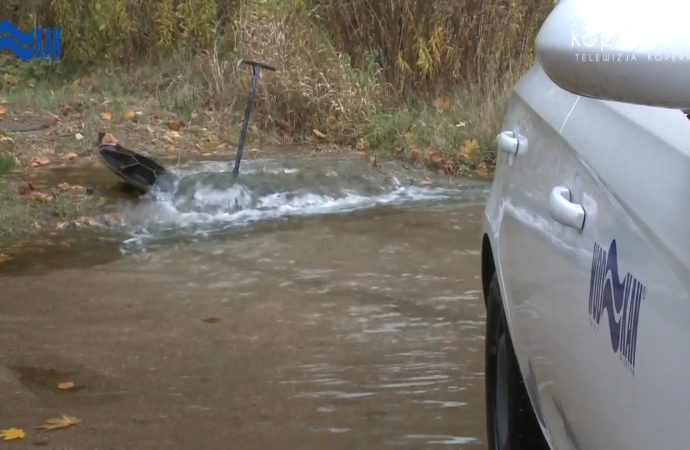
[353, 69]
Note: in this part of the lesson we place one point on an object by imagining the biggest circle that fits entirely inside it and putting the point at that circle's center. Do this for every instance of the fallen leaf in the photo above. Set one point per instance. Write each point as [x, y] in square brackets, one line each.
[66, 385]
[469, 148]
[64, 187]
[25, 189]
[72, 155]
[361, 146]
[175, 126]
[79, 136]
[433, 160]
[319, 134]
[285, 127]
[40, 161]
[212, 320]
[168, 140]
[64, 225]
[481, 171]
[460, 125]
[109, 139]
[12, 434]
[61, 422]
[41, 197]
[106, 115]
[4, 257]
[441, 104]
[88, 221]
[128, 114]
[2, 110]
[199, 147]
[66, 110]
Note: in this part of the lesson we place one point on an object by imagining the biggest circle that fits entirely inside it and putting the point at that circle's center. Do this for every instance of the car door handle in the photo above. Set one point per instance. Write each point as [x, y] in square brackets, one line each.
[565, 212]
[511, 143]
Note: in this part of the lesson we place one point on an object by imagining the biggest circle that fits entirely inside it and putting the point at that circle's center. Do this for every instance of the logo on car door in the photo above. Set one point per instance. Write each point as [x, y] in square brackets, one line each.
[620, 298]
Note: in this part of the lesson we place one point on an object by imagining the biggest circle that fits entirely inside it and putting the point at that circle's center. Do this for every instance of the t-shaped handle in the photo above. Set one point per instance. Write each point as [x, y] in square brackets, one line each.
[249, 62]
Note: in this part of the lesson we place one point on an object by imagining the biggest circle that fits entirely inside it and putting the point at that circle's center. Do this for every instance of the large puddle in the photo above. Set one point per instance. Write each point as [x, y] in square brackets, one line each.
[347, 308]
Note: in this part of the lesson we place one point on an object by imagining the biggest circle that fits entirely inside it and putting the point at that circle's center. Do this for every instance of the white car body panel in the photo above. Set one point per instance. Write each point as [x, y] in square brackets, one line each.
[629, 167]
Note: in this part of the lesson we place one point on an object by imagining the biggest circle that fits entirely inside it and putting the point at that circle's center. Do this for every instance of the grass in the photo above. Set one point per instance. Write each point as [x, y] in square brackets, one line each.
[25, 215]
[7, 163]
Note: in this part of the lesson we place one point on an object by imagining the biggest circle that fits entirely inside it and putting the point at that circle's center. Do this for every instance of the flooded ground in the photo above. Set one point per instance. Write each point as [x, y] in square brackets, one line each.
[312, 304]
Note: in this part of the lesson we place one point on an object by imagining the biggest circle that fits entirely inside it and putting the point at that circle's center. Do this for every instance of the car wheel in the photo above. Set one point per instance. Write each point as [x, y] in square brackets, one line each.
[510, 419]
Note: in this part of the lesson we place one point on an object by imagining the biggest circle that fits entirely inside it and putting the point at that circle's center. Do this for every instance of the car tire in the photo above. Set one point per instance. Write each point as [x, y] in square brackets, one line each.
[510, 420]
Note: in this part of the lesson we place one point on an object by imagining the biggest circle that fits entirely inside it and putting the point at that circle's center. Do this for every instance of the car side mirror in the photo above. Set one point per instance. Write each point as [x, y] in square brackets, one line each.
[617, 50]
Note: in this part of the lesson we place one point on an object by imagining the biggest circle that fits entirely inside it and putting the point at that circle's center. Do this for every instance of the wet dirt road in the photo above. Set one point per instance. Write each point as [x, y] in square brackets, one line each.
[361, 329]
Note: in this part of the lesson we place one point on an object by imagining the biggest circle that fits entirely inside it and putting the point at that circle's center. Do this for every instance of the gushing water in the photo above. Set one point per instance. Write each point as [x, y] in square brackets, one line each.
[206, 197]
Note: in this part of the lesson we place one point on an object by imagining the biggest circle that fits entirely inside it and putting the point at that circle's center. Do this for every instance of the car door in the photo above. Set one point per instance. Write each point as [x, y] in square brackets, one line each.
[620, 292]
[537, 111]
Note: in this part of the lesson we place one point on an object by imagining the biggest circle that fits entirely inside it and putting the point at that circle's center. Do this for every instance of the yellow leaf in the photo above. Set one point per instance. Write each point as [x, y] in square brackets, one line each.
[469, 148]
[106, 115]
[72, 155]
[460, 124]
[41, 197]
[128, 114]
[319, 134]
[4, 258]
[12, 433]
[60, 422]
[65, 385]
[2, 110]
[79, 136]
[40, 161]
[109, 139]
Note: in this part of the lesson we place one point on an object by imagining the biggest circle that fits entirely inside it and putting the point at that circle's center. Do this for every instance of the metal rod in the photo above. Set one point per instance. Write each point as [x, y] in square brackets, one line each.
[245, 125]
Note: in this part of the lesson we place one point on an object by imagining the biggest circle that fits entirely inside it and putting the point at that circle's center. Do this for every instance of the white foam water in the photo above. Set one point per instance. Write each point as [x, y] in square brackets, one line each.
[206, 197]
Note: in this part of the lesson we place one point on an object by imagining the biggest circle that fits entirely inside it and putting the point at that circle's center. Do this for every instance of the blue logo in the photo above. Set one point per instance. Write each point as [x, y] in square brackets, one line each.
[38, 43]
[621, 299]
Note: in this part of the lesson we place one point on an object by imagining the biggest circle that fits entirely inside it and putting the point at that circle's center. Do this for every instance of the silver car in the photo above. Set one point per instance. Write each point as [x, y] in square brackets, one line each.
[586, 240]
